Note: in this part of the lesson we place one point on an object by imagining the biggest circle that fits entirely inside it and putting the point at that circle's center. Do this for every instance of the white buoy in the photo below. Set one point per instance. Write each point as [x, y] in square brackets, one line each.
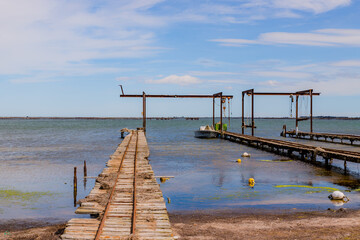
[245, 154]
[337, 203]
[337, 195]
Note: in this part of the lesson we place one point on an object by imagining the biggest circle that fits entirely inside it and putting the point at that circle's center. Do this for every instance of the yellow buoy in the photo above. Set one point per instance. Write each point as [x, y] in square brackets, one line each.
[251, 182]
[163, 179]
[239, 160]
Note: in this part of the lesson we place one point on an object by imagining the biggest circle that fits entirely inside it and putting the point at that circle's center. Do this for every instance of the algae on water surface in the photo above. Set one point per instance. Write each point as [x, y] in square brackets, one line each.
[20, 197]
[320, 189]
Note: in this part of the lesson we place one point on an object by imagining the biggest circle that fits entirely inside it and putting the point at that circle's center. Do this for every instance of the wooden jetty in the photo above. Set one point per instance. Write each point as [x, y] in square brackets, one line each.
[304, 152]
[327, 137]
[134, 206]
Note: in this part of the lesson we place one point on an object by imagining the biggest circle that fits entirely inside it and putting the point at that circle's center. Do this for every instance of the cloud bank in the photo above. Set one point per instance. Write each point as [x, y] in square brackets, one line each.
[175, 79]
[321, 37]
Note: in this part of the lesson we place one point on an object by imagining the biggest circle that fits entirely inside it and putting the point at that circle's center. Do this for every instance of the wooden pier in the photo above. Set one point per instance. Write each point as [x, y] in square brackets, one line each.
[127, 202]
[304, 152]
[327, 137]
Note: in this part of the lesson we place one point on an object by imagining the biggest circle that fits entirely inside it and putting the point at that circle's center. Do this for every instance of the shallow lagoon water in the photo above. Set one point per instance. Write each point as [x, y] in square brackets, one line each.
[37, 159]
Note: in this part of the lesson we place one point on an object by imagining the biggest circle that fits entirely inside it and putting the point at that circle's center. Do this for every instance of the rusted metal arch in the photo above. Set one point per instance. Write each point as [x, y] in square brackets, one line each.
[144, 96]
[308, 92]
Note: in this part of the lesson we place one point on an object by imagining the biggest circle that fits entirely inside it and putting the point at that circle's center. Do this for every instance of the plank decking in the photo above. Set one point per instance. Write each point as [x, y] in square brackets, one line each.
[327, 137]
[135, 207]
[288, 148]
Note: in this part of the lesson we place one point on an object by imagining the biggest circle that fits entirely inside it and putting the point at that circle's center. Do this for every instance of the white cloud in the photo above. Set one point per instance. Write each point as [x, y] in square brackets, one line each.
[55, 36]
[283, 74]
[203, 73]
[175, 79]
[208, 62]
[321, 37]
[123, 78]
[316, 6]
[329, 78]
[271, 83]
[347, 63]
[246, 11]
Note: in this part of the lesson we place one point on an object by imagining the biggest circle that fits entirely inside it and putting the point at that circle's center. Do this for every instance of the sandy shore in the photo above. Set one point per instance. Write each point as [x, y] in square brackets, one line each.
[330, 224]
[226, 224]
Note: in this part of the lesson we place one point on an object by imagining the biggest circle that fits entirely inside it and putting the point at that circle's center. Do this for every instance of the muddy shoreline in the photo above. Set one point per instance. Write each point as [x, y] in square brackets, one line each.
[225, 224]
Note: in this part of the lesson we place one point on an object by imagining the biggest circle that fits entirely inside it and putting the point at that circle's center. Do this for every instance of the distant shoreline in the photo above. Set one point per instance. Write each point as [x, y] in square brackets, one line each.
[164, 118]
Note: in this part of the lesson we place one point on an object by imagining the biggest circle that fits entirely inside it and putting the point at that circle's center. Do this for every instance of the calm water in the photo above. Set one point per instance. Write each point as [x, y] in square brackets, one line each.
[37, 158]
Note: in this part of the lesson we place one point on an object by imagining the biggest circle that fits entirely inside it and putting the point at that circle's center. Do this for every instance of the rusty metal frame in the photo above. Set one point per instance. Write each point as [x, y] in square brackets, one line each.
[144, 96]
[308, 92]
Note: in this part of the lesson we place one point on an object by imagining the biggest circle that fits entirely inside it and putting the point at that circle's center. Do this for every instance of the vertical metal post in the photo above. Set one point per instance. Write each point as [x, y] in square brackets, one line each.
[122, 90]
[229, 111]
[252, 112]
[221, 113]
[213, 112]
[144, 111]
[297, 114]
[242, 116]
[311, 111]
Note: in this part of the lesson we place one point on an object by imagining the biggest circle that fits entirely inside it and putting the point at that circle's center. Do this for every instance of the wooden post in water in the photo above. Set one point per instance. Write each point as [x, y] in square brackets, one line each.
[85, 174]
[85, 170]
[284, 131]
[75, 186]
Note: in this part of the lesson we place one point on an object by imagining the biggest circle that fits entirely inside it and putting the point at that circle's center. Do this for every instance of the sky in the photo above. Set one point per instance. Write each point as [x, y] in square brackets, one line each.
[68, 58]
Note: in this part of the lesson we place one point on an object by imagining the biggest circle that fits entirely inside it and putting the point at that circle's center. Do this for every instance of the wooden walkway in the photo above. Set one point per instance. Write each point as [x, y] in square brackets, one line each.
[327, 137]
[135, 208]
[304, 152]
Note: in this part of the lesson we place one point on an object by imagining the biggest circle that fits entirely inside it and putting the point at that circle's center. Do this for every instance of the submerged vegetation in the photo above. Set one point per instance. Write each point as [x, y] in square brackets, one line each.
[16, 196]
[319, 189]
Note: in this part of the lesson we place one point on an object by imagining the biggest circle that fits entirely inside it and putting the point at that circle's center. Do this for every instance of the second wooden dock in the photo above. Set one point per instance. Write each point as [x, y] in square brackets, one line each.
[327, 137]
[304, 152]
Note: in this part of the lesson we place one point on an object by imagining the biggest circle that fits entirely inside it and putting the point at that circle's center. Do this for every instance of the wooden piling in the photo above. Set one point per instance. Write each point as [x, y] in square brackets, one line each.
[75, 187]
[85, 170]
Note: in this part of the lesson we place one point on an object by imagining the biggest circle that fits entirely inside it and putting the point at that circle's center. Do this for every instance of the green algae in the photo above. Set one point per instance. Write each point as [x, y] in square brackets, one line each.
[20, 197]
[329, 189]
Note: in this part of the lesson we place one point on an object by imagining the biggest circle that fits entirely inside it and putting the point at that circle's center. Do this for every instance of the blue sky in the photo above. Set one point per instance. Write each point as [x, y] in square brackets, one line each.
[67, 58]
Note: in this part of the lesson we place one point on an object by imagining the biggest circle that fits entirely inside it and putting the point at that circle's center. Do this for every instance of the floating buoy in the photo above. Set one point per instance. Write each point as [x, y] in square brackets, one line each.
[337, 203]
[251, 182]
[245, 154]
[163, 179]
[239, 160]
[337, 195]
